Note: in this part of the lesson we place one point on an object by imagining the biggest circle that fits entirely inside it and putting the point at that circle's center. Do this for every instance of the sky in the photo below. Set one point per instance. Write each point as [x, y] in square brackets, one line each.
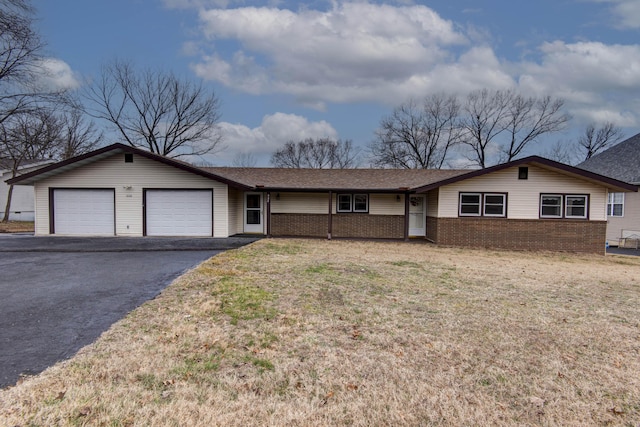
[294, 70]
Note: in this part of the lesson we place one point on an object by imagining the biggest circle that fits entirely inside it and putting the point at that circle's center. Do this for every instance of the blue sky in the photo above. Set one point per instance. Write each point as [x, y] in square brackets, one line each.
[290, 70]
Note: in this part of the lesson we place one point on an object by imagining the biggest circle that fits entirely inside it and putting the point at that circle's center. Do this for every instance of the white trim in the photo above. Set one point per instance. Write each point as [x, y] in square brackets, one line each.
[504, 205]
[586, 206]
[559, 196]
[479, 204]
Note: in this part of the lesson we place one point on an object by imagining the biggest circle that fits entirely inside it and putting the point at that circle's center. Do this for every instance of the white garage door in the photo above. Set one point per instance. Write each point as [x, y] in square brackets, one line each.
[84, 212]
[179, 212]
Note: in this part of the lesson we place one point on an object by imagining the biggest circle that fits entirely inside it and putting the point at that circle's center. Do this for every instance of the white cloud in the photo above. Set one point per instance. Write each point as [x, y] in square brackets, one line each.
[57, 74]
[352, 52]
[358, 52]
[275, 130]
[589, 76]
[627, 12]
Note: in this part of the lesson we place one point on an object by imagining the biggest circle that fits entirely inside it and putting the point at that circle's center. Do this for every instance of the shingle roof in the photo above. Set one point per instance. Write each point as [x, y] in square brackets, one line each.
[335, 179]
[622, 161]
[365, 180]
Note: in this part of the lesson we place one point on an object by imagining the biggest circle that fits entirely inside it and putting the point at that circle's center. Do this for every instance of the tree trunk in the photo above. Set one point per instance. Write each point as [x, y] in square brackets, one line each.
[8, 204]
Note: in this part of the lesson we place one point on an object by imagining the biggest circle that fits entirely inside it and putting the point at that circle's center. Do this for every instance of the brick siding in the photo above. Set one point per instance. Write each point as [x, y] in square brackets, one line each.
[344, 225]
[522, 234]
[303, 225]
[368, 226]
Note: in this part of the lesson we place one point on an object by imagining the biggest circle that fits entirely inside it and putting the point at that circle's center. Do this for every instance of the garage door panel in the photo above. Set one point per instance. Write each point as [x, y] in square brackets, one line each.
[179, 212]
[84, 212]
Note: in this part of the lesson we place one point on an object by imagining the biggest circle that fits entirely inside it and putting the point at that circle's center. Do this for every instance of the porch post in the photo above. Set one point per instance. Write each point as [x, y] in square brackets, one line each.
[268, 214]
[330, 225]
[406, 216]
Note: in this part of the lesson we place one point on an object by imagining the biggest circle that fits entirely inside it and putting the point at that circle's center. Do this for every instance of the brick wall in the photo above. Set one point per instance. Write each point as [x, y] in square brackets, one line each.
[344, 225]
[522, 234]
[307, 225]
[432, 228]
[368, 226]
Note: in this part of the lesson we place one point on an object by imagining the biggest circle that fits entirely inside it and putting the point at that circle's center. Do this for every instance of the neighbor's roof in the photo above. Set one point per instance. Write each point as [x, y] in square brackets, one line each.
[622, 161]
[383, 180]
[7, 164]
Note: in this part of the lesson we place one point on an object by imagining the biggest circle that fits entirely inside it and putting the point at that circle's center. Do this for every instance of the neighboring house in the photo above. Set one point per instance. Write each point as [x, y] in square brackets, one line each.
[622, 162]
[22, 208]
[527, 204]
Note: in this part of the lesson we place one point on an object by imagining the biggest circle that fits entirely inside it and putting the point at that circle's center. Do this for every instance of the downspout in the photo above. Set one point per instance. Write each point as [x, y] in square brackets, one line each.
[268, 214]
[406, 216]
[330, 225]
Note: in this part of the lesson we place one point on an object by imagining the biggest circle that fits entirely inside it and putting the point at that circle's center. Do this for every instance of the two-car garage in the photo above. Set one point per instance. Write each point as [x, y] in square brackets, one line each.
[165, 212]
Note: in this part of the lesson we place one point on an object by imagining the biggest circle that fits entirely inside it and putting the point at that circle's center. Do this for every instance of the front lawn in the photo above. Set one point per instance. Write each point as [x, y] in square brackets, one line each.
[317, 333]
[16, 227]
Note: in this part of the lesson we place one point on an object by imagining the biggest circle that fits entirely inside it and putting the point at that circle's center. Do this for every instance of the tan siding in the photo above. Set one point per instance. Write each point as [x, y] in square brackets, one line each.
[318, 203]
[630, 220]
[386, 204]
[113, 172]
[523, 195]
[307, 203]
[235, 211]
[432, 203]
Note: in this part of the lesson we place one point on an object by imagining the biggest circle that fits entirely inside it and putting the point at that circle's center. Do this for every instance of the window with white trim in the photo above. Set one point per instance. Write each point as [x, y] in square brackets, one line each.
[482, 204]
[470, 204]
[570, 206]
[550, 206]
[575, 206]
[358, 203]
[494, 204]
[615, 204]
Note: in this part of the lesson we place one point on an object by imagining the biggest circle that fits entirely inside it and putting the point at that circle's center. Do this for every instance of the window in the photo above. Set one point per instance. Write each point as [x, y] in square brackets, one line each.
[523, 172]
[360, 203]
[494, 204]
[576, 206]
[483, 204]
[571, 206]
[344, 202]
[615, 205]
[551, 206]
[469, 204]
[353, 203]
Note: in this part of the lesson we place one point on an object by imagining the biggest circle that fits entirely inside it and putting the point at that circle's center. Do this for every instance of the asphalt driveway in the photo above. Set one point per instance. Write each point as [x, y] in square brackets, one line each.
[59, 294]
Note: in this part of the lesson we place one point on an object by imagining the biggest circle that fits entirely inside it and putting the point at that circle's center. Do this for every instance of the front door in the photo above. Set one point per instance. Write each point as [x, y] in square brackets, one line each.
[417, 215]
[253, 213]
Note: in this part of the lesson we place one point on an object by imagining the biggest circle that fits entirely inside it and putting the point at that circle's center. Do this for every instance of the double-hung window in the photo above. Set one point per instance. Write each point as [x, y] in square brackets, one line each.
[615, 204]
[358, 203]
[569, 206]
[482, 204]
[551, 206]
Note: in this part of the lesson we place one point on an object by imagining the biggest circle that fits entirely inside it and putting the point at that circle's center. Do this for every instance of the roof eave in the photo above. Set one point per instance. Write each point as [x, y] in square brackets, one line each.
[62, 166]
[539, 161]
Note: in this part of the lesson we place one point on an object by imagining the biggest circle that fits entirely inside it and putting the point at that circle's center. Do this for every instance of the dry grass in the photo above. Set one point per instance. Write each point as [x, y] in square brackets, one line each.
[16, 227]
[303, 333]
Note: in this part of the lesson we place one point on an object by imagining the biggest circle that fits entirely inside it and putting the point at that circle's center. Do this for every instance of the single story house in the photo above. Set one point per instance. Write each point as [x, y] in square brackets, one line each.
[528, 204]
[22, 208]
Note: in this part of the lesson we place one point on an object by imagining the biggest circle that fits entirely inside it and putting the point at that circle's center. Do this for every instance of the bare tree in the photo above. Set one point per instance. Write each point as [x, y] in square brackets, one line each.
[595, 140]
[76, 135]
[562, 151]
[245, 160]
[20, 55]
[501, 124]
[27, 136]
[418, 136]
[322, 153]
[484, 116]
[156, 110]
[528, 119]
